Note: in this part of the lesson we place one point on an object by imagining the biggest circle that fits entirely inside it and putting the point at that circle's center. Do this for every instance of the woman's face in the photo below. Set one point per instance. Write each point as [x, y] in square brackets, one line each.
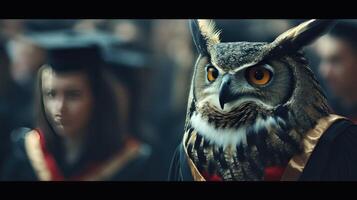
[68, 101]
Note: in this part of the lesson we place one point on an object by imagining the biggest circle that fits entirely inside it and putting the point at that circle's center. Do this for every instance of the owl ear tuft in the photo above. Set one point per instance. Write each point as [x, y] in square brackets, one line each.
[204, 34]
[296, 38]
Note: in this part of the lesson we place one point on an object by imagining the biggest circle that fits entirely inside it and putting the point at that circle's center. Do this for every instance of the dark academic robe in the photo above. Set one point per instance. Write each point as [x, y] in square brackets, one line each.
[31, 161]
[16, 110]
[330, 154]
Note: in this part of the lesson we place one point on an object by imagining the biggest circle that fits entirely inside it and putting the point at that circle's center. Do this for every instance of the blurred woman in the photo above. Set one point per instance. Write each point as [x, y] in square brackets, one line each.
[19, 61]
[80, 133]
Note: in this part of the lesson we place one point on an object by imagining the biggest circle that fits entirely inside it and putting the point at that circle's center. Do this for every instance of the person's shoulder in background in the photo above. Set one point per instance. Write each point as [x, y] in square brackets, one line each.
[16, 166]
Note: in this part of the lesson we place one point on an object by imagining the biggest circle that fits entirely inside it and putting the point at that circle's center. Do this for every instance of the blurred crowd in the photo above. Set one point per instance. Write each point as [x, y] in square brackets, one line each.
[153, 60]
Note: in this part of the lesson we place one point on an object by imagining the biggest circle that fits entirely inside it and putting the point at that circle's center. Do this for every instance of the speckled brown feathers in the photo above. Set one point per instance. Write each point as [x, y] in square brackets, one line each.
[244, 114]
[242, 162]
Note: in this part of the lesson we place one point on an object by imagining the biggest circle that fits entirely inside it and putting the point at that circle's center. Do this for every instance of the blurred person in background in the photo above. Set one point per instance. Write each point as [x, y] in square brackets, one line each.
[5, 111]
[20, 60]
[25, 60]
[80, 132]
[338, 67]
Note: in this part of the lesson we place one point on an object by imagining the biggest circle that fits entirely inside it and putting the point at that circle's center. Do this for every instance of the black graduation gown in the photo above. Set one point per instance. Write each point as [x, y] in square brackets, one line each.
[16, 110]
[333, 159]
[19, 167]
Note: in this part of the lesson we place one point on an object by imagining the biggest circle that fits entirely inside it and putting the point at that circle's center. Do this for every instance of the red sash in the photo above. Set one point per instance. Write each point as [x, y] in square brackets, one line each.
[46, 166]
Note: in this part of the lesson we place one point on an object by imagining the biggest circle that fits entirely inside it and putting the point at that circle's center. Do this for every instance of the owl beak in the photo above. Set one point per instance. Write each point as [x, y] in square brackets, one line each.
[225, 94]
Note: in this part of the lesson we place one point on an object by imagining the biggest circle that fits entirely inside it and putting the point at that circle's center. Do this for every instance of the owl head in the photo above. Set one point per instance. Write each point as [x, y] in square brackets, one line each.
[243, 87]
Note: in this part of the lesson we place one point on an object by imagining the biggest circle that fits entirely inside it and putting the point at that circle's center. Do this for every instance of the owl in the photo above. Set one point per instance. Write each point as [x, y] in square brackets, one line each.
[252, 106]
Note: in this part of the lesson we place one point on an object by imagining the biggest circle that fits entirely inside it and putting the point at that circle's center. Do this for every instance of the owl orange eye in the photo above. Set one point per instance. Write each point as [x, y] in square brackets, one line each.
[259, 75]
[212, 73]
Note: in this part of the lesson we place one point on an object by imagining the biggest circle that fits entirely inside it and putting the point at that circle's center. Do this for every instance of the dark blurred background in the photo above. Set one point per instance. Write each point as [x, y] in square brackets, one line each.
[154, 58]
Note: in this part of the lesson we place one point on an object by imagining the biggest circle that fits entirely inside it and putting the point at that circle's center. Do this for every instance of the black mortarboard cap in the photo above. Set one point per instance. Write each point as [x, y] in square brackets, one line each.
[74, 58]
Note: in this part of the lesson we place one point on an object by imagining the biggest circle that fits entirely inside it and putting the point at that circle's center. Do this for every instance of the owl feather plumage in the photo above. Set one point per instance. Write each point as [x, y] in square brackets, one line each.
[250, 103]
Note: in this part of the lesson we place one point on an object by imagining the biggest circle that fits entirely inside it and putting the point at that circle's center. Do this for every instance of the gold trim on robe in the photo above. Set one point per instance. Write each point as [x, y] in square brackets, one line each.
[194, 171]
[36, 156]
[297, 164]
[103, 172]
